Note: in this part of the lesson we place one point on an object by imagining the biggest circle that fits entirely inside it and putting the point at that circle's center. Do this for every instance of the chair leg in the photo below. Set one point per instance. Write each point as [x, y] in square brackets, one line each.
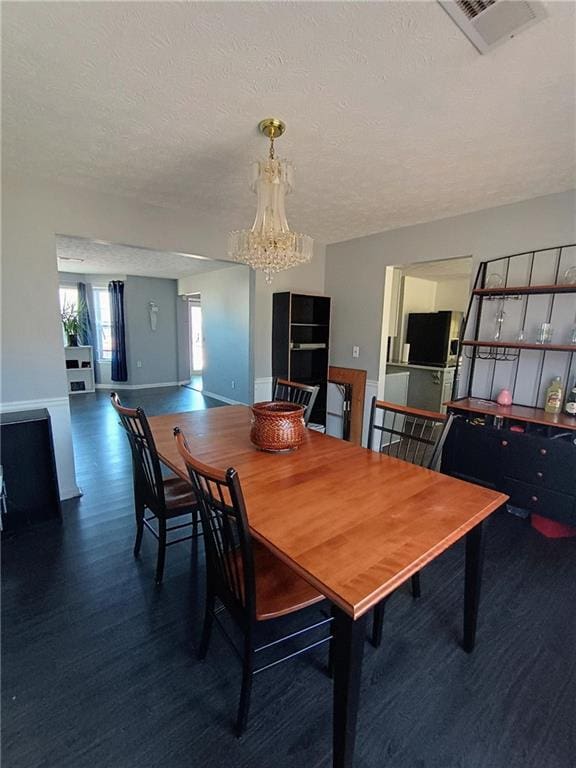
[416, 585]
[140, 512]
[195, 517]
[378, 623]
[207, 628]
[331, 657]
[245, 694]
[161, 550]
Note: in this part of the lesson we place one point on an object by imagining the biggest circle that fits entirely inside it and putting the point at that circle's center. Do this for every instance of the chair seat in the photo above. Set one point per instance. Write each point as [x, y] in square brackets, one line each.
[179, 496]
[279, 590]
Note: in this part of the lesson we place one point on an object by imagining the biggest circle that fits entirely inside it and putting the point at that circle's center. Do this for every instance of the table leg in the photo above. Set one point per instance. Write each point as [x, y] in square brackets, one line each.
[349, 637]
[472, 583]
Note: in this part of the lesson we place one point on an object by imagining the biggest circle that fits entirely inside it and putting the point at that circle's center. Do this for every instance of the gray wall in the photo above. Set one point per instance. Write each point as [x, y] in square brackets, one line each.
[225, 297]
[156, 350]
[34, 211]
[355, 270]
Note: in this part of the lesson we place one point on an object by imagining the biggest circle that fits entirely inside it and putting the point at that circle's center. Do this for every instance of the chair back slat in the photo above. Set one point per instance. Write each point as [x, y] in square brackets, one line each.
[227, 538]
[149, 484]
[293, 392]
[413, 435]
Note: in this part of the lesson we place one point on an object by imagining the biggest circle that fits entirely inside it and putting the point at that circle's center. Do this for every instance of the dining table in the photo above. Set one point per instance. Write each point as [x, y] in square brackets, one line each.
[354, 523]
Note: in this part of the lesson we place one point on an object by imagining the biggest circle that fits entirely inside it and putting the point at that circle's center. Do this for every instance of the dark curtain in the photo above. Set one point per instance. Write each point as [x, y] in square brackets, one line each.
[85, 335]
[119, 367]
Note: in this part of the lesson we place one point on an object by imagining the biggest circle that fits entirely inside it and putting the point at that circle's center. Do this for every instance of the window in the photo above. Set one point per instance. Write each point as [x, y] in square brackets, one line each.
[68, 300]
[103, 323]
[68, 297]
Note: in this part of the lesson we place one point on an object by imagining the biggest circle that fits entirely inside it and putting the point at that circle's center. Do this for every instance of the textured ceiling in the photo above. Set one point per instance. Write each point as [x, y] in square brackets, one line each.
[393, 117]
[447, 269]
[110, 259]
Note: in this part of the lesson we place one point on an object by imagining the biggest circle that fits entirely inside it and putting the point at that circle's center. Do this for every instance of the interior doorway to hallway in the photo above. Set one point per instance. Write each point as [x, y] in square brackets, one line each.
[196, 341]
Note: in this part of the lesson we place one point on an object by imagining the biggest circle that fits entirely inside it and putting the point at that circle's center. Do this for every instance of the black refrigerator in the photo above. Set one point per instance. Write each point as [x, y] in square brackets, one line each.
[433, 337]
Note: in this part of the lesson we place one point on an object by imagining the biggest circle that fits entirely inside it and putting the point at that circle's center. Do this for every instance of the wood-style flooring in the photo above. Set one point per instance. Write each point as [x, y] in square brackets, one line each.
[99, 667]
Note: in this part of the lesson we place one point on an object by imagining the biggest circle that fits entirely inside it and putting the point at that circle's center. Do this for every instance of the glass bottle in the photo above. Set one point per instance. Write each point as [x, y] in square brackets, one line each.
[554, 396]
[570, 404]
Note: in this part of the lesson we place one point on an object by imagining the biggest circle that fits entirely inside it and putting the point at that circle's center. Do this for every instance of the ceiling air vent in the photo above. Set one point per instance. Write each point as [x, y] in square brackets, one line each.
[486, 23]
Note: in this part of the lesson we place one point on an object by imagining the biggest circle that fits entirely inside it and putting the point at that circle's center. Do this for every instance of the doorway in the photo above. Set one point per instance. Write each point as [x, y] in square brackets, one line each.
[426, 304]
[196, 341]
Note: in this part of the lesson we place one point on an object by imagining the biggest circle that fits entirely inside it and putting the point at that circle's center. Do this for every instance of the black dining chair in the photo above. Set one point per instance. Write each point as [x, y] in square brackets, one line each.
[166, 498]
[249, 581]
[293, 392]
[413, 435]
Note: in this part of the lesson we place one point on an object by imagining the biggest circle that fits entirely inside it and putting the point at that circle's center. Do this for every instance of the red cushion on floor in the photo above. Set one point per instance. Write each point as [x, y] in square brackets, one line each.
[551, 528]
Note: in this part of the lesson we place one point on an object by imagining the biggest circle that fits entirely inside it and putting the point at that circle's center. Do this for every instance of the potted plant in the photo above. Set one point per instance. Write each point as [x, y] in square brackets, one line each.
[71, 324]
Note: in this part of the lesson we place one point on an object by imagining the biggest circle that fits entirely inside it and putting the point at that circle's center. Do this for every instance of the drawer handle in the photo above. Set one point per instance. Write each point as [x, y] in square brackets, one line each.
[539, 475]
[534, 498]
[504, 443]
[543, 451]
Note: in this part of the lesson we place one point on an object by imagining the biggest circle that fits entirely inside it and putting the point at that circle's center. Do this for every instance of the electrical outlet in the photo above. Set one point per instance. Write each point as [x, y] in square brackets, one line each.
[138, 363]
[233, 385]
[355, 351]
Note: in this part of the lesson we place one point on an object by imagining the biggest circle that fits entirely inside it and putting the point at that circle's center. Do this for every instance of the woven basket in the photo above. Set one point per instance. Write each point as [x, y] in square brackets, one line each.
[277, 426]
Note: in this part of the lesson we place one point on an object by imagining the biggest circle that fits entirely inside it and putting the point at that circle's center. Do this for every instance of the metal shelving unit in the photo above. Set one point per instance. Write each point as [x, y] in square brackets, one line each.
[519, 448]
[491, 360]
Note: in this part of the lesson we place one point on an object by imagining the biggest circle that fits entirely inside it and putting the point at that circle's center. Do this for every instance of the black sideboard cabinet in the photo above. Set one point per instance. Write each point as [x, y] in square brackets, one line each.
[536, 467]
[29, 469]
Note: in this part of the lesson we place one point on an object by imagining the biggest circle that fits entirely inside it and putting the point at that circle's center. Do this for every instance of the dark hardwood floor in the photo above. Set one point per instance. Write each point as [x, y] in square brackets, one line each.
[99, 669]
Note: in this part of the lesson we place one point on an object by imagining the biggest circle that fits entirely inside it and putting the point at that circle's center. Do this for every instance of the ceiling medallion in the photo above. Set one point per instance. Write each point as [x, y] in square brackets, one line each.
[270, 246]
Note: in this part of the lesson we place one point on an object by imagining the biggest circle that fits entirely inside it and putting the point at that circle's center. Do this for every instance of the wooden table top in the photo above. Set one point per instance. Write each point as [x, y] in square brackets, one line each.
[354, 523]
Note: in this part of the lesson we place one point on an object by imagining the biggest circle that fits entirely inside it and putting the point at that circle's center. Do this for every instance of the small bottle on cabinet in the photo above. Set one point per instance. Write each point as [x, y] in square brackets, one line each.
[554, 396]
[570, 404]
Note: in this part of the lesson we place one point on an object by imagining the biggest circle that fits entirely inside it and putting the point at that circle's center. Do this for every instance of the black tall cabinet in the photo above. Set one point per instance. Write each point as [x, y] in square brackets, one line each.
[301, 343]
[29, 469]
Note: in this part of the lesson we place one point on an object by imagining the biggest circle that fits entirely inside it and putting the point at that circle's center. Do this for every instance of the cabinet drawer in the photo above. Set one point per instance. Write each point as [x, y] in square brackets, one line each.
[557, 506]
[539, 461]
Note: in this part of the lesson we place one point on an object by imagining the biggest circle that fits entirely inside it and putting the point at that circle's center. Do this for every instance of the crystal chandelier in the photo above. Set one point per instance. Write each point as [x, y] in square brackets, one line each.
[270, 245]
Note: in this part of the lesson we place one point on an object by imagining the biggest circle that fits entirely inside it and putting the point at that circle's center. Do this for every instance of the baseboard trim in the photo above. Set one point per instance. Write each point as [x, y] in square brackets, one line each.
[222, 399]
[72, 492]
[120, 385]
[27, 405]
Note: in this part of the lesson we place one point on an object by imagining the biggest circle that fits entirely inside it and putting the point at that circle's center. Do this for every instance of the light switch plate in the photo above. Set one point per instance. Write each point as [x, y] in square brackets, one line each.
[355, 351]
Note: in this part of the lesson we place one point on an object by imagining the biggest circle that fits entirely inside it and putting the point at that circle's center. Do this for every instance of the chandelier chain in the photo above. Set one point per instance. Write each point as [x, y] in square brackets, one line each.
[271, 147]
